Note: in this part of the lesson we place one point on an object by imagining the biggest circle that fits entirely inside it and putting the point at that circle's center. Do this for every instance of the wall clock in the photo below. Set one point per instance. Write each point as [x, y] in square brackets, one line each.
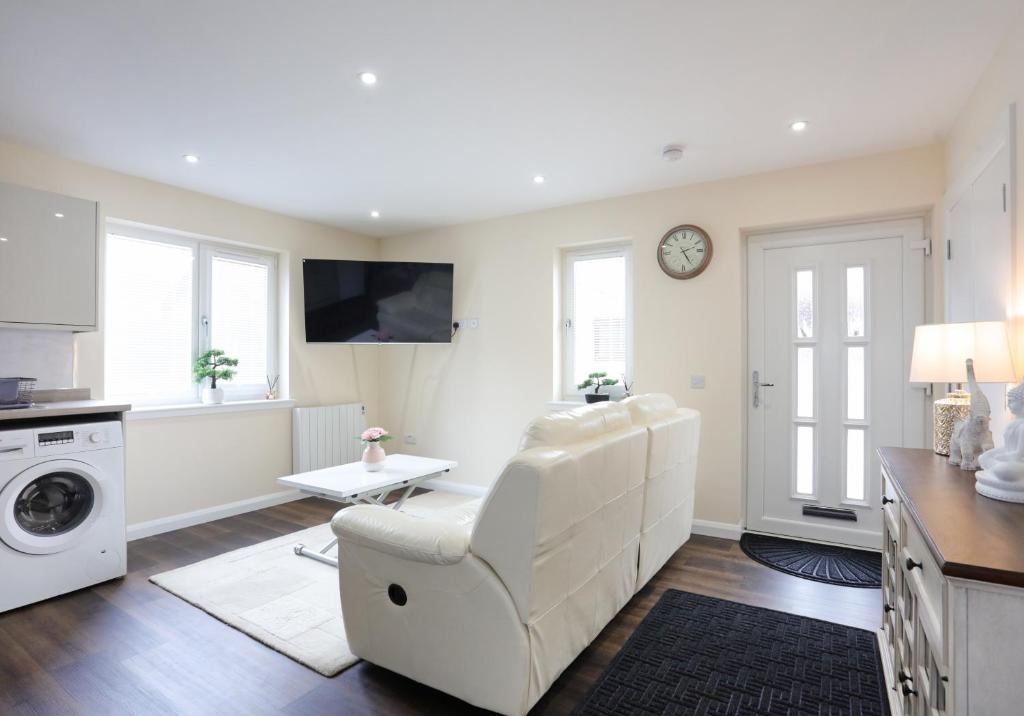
[685, 251]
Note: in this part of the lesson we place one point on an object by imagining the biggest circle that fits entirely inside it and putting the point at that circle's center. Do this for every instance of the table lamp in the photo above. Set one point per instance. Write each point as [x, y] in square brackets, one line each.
[940, 352]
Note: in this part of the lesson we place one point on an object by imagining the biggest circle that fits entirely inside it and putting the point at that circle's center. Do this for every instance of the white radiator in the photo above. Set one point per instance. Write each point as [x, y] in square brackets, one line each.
[327, 436]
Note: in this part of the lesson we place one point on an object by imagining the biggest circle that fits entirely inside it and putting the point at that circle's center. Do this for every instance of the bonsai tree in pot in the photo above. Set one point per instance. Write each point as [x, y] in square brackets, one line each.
[215, 365]
[596, 381]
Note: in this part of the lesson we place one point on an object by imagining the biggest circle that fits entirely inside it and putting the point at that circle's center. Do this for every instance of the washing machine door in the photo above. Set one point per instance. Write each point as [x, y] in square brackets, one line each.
[49, 506]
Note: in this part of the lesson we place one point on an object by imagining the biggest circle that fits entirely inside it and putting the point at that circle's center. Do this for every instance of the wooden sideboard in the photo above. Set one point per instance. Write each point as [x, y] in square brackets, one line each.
[952, 636]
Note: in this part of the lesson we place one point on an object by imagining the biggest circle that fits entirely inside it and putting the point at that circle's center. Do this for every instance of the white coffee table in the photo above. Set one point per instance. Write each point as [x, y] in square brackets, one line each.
[352, 483]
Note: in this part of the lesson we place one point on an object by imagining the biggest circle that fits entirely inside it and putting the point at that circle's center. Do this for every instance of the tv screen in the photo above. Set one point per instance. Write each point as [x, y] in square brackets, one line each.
[377, 301]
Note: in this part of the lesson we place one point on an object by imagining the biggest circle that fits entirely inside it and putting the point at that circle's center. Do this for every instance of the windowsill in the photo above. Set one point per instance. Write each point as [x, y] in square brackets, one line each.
[156, 412]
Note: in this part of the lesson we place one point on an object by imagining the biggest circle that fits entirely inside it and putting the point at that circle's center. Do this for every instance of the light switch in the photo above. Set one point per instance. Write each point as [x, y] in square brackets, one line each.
[697, 382]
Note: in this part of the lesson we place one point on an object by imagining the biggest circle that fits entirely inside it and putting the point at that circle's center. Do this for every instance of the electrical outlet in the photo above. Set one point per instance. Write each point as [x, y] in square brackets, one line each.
[410, 439]
[474, 323]
[697, 382]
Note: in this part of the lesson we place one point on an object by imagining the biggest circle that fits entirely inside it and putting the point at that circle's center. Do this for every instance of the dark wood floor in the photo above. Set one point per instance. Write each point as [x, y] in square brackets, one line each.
[128, 647]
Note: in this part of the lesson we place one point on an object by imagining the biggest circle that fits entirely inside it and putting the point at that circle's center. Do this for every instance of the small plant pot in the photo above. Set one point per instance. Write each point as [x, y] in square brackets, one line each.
[213, 396]
[596, 397]
[373, 457]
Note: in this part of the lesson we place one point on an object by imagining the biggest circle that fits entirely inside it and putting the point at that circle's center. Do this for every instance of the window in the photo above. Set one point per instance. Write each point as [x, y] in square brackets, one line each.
[597, 310]
[168, 299]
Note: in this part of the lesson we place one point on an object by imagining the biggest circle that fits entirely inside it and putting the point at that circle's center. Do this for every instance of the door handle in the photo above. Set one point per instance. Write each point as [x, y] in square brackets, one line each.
[757, 388]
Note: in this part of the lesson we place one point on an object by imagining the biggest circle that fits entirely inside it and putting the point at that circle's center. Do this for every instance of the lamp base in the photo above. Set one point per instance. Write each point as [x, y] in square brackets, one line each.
[955, 406]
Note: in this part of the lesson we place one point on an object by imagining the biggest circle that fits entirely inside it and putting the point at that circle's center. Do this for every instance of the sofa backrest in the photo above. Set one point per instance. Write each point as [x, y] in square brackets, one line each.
[673, 437]
[561, 527]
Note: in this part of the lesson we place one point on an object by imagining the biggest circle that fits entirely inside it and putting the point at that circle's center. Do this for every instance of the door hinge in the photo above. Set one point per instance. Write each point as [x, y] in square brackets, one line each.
[949, 249]
[923, 244]
[1004, 198]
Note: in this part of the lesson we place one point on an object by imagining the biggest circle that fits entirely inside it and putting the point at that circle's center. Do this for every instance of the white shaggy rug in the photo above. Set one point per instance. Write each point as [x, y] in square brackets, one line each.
[289, 603]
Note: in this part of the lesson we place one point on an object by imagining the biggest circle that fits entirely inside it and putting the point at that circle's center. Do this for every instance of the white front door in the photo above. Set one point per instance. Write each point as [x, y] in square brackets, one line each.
[830, 319]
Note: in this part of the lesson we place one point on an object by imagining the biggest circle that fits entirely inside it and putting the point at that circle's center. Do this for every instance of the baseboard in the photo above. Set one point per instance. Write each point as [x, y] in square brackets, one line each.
[209, 514]
[459, 488]
[725, 530]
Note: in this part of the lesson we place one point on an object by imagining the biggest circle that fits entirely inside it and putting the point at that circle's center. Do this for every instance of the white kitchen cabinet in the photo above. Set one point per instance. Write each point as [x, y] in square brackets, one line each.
[48, 260]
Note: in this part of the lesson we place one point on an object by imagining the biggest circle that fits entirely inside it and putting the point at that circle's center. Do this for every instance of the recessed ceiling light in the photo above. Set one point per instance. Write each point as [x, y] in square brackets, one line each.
[59, 215]
[799, 125]
[374, 214]
[190, 158]
[368, 78]
[539, 179]
[3, 239]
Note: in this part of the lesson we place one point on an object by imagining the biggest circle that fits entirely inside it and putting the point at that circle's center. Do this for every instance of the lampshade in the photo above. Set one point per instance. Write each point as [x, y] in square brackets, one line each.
[940, 350]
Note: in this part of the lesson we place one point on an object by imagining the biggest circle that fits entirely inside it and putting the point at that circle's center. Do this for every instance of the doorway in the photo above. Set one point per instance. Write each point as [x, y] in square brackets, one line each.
[830, 319]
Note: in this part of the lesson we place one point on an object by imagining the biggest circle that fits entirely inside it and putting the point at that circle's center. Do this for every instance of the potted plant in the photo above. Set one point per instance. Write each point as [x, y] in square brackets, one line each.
[213, 364]
[373, 455]
[597, 381]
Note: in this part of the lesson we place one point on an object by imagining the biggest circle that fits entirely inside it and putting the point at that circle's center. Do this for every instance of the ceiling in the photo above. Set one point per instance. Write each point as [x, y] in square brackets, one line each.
[476, 97]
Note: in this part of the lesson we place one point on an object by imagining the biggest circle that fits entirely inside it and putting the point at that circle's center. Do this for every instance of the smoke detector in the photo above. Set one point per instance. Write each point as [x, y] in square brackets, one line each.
[672, 152]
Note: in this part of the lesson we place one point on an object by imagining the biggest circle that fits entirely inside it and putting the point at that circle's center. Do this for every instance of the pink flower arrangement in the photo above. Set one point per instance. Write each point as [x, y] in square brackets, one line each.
[375, 435]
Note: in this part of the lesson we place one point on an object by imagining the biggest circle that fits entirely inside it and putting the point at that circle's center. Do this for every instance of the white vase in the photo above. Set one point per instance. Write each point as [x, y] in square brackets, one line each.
[213, 396]
[373, 457]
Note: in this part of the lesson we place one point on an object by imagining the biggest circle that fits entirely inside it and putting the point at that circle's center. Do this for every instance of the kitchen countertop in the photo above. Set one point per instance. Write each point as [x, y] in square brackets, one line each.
[64, 408]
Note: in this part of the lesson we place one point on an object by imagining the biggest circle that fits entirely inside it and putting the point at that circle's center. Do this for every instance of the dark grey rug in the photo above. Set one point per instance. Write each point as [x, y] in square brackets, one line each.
[827, 563]
[700, 655]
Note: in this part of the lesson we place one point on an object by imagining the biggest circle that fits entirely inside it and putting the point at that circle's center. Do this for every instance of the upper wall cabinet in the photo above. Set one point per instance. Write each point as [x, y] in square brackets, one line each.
[48, 260]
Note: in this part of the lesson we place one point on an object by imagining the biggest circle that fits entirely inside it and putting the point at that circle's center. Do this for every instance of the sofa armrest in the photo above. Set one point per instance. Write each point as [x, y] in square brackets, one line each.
[431, 541]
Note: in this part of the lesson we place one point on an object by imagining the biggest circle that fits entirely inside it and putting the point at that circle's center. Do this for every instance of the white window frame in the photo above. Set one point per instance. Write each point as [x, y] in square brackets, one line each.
[569, 257]
[204, 250]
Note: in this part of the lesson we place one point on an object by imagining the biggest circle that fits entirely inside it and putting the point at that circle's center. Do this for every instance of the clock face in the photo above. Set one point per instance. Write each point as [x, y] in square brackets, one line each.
[684, 251]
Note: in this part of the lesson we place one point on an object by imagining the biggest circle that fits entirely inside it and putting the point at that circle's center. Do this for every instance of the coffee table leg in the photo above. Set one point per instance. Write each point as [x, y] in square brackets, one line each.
[321, 555]
[405, 495]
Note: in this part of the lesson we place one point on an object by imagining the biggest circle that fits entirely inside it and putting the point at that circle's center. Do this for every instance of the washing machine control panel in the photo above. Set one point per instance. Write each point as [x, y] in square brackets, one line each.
[76, 438]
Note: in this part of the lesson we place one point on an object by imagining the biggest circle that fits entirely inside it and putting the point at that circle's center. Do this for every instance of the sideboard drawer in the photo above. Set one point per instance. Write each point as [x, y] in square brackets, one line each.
[890, 505]
[924, 577]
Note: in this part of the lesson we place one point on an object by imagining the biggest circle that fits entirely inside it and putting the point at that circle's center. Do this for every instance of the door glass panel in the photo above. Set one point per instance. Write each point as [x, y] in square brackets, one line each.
[855, 382]
[805, 382]
[854, 464]
[805, 303]
[805, 460]
[54, 503]
[855, 301]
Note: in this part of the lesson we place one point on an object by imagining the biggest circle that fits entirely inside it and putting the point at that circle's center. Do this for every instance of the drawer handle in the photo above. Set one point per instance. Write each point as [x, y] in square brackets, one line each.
[887, 500]
[907, 691]
[903, 676]
[911, 564]
[888, 608]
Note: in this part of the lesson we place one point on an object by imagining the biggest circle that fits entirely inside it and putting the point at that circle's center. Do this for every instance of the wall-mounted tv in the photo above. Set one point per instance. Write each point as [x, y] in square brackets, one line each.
[377, 301]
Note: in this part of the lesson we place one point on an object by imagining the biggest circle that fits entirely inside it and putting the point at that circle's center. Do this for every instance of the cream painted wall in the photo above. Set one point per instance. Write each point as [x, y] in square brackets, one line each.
[469, 401]
[1001, 85]
[183, 464]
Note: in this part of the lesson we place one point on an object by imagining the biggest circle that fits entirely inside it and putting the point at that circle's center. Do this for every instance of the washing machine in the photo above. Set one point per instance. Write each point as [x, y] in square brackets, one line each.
[62, 509]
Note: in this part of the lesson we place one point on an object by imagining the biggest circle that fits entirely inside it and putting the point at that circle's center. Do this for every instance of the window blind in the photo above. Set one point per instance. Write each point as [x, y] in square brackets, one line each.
[239, 320]
[148, 314]
[598, 307]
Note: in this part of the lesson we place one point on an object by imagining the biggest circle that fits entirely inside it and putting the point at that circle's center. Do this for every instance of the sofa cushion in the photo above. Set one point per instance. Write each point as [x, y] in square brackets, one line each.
[588, 422]
[646, 409]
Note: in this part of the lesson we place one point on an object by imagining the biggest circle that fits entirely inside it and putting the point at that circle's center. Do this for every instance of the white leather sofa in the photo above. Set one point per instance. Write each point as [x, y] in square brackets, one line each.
[491, 603]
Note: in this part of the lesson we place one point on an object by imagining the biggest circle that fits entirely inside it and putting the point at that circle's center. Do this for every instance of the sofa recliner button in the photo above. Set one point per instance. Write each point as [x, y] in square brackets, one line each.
[397, 595]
